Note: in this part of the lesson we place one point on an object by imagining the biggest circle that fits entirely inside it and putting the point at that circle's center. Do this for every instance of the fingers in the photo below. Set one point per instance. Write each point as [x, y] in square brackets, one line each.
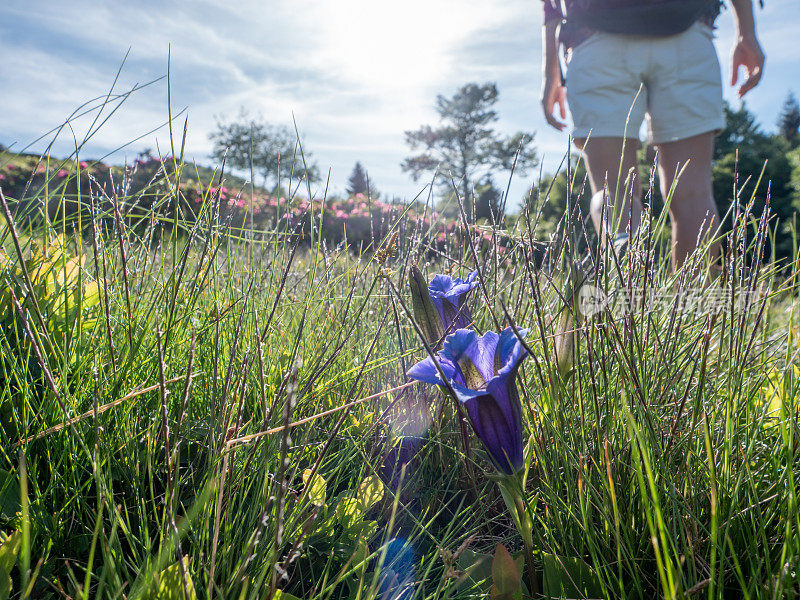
[747, 54]
[753, 69]
[551, 120]
[752, 81]
[548, 105]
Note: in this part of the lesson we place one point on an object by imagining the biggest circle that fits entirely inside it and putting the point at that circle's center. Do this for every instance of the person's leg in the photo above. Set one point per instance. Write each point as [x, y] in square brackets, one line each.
[685, 108]
[607, 100]
[616, 187]
[693, 210]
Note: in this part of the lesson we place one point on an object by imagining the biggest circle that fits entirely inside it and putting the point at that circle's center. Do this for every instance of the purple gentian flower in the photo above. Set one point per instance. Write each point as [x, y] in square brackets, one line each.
[482, 371]
[440, 307]
[449, 296]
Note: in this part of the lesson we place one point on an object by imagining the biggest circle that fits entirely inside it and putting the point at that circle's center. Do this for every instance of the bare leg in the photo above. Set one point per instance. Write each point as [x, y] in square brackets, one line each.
[693, 211]
[609, 168]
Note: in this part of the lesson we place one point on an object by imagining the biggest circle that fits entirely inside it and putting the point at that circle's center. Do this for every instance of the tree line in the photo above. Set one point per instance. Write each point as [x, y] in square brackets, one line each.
[464, 154]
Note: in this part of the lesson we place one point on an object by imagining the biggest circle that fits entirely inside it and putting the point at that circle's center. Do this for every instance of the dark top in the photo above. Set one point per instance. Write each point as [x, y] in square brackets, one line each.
[579, 18]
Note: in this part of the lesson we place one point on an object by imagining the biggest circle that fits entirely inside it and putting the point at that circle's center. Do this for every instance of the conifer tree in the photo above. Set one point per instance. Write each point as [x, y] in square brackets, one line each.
[357, 183]
[789, 119]
[464, 146]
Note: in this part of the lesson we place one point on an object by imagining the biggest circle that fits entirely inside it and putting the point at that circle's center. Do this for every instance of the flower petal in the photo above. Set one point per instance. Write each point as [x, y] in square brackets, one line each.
[453, 316]
[482, 354]
[510, 351]
[504, 390]
[440, 285]
[473, 354]
[444, 323]
[500, 436]
[443, 286]
[464, 393]
[425, 370]
[456, 344]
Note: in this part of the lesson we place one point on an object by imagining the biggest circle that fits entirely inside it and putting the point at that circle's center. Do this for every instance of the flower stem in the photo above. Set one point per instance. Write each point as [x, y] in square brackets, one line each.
[533, 581]
[527, 539]
[462, 422]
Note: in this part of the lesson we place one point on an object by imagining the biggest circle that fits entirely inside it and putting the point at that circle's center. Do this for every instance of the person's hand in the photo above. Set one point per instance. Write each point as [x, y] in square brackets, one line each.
[553, 93]
[747, 53]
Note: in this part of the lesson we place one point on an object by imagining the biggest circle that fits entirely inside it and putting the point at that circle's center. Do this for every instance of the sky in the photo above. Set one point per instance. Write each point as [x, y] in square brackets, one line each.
[353, 74]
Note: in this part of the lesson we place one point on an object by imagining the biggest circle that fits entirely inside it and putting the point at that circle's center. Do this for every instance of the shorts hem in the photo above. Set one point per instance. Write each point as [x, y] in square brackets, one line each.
[595, 132]
[687, 131]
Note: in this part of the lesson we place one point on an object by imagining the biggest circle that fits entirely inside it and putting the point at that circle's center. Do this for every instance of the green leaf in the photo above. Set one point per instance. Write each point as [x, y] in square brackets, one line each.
[361, 553]
[350, 515]
[170, 583]
[370, 492]
[9, 550]
[317, 487]
[368, 528]
[9, 495]
[505, 576]
[281, 595]
[569, 578]
[477, 568]
[5, 585]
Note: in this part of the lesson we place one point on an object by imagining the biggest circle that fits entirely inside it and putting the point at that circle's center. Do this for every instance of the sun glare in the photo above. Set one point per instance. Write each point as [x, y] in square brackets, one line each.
[393, 45]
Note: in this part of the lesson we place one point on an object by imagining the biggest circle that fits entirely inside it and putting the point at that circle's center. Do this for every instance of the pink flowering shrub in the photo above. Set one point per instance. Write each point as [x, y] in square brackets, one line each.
[148, 185]
[31, 182]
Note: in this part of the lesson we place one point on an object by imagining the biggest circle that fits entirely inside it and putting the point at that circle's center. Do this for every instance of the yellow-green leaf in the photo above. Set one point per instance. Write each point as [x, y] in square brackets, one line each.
[360, 554]
[170, 583]
[349, 513]
[5, 585]
[8, 558]
[91, 294]
[369, 528]
[370, 492]
[68, 276]
[317, 487]
[56, 246]
[36, 253]
[776, 395]
[9, 550]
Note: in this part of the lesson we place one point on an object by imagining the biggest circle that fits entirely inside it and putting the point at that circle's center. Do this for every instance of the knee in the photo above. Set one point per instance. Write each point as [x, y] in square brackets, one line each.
[597, 203]
[694, 207]
[692, 192]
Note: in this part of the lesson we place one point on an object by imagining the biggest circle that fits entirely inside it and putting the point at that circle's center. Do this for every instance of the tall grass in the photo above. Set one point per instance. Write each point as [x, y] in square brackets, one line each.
[232, 417]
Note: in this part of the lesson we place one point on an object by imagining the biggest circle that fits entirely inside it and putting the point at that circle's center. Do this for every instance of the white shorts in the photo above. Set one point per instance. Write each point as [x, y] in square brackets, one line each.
[679, 77]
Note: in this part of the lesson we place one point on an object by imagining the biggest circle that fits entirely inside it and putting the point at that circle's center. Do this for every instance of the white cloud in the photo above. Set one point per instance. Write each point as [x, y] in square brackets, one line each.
[355, 73]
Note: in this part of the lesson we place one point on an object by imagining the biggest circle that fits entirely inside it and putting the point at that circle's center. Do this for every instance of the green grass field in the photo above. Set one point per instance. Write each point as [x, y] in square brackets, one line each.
[189, 409]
